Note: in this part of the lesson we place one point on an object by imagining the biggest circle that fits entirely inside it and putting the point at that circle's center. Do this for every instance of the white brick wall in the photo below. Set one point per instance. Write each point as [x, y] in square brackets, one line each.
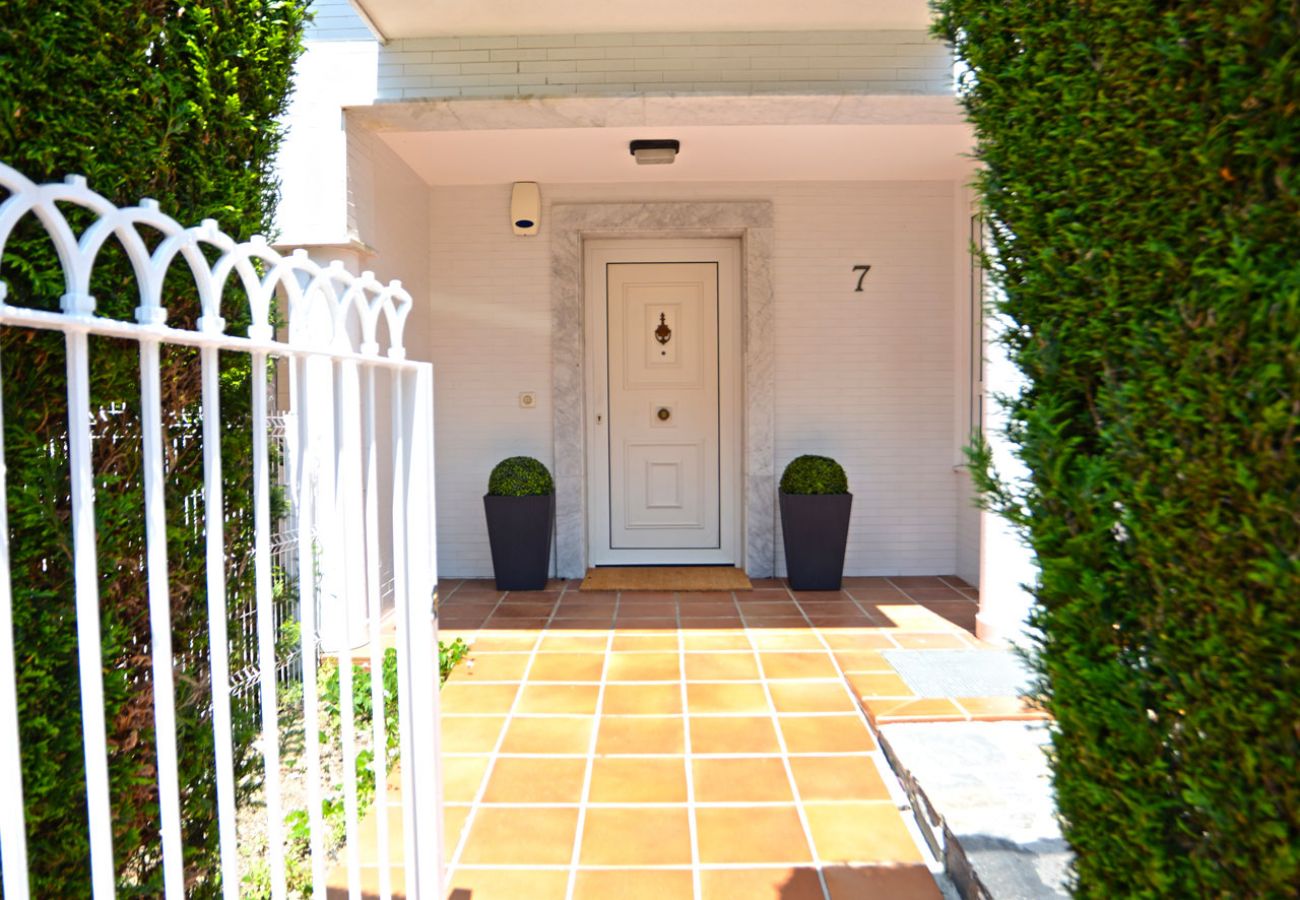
[866, 378]
[893, 62]
[336, 20]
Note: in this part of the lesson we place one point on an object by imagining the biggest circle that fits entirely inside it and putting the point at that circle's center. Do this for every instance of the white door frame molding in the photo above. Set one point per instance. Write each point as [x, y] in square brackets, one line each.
[725, 253]
[570, 225]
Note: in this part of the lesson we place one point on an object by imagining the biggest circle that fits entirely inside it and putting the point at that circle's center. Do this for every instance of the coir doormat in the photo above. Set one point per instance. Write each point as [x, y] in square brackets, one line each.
[666, 578]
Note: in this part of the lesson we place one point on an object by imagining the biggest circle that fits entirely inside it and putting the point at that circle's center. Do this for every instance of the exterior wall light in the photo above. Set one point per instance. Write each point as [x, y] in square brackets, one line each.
[654, 153]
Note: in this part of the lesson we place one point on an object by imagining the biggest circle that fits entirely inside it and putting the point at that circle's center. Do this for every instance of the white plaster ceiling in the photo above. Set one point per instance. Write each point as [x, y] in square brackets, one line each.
[708, 153]
[426, 18]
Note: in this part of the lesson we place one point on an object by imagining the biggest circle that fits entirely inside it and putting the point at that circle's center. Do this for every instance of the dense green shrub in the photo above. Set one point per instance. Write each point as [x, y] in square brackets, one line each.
[814, 475]
[178, 102]
[1143, 193]
[520, 476]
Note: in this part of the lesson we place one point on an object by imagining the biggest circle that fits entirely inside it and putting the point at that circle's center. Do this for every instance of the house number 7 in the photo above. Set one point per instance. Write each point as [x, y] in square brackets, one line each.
[864, 270]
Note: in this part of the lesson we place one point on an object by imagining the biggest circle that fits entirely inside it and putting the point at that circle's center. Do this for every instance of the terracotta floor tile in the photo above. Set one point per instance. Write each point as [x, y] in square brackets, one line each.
[856, 661]
[733, 734]
[687, 597]
[845, 620]
[798, 665]
[470, 734]
[508, 611]
[741, 780]
[662, 609]
[532, 780]
[571, 643]
[858, 639]
[893, 882]
[336, 886]
[707, 623]
[568, 734]
[663, 642]
[583, 625]
[920, 710]
[477, 698]
[509, 884]
[704, 609]
[644, 667]
[520, 836]
[938, 595]
[878, 684]
[837, 778]
[930, 641]
[637, 780]
[861, 832]
[642, 699]
[572, 699]
[627, 622]
[461, 777]
[736, 697]
[802, 639]
[993, 709]
[453, 823]
[811, 696]
[641, 734]
[721, 667]
[633, 884]
[783, 607]
[567, 667]
[761, 595]
[368, 833]
[645, 596]
[916, 581]
[761, 884]
[490, 667]
[636, 836]
[751, 834]
[531, 597]
[826, 734]
[766, 621]
[715, 640]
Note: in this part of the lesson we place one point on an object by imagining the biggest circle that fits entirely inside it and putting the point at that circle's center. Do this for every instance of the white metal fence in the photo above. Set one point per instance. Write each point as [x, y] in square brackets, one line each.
[357, 446]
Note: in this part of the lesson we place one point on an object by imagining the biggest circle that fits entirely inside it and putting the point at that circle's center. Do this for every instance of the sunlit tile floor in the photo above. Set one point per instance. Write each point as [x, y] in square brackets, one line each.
[691, 745]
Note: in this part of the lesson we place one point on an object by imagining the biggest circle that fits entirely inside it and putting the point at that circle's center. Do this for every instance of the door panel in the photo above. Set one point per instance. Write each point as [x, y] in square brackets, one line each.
[663, 405]
[663, 411]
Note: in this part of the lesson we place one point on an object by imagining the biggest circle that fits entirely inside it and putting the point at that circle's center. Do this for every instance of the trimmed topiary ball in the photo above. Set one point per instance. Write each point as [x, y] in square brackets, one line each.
[814, 475]
[520, 476]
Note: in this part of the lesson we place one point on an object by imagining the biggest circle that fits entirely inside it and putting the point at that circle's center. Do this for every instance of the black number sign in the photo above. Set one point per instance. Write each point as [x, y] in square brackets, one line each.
[864, 270]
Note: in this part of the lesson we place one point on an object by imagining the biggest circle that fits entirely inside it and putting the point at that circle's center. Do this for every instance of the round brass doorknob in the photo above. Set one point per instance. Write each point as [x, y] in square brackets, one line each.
[664, 414]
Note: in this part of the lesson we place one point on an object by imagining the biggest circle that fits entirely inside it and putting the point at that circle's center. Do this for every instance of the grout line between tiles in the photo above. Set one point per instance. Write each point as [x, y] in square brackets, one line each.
[585, 796]
[692, 821]
[785, 762]
[468, 824]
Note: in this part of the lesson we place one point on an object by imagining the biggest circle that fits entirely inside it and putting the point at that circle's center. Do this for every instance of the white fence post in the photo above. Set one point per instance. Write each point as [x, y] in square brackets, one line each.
[332, 468]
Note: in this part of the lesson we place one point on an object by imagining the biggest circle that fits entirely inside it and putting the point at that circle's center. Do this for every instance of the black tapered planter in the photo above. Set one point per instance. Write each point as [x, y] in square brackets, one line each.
[519, 532]
[816, 531]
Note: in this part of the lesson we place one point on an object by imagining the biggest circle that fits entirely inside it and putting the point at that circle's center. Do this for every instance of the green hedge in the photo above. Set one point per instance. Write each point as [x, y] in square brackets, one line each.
[1142, 185]
[177, 102]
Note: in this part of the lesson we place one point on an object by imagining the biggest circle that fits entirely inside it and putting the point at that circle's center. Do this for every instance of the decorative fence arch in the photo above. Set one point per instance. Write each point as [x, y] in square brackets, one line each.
[338, 439]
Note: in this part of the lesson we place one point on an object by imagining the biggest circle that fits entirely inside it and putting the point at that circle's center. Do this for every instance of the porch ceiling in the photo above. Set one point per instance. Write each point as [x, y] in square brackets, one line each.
[708, 153]
[422, 18]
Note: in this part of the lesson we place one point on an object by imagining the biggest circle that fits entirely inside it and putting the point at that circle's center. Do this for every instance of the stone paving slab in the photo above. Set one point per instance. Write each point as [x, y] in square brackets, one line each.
[983, 797]
[961, 673]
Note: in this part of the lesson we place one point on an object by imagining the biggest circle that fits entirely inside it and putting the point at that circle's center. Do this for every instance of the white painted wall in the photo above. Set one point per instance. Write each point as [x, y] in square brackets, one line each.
[866, 378]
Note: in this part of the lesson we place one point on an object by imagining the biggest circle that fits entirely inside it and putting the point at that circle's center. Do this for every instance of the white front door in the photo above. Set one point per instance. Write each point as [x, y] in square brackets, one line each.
[664, 322]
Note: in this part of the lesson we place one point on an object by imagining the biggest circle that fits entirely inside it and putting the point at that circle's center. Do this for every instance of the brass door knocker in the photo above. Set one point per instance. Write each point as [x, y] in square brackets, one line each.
[663, 334]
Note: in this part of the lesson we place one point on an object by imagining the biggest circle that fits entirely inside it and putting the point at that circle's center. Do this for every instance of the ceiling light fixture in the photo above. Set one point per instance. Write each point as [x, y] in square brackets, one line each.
[654, 153]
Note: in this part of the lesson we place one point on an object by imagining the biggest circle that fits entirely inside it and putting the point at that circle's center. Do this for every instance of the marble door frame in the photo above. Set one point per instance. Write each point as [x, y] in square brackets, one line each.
[572, 223]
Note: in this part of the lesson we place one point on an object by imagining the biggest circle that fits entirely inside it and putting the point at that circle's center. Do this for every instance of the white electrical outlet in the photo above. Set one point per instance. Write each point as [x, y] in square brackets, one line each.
[527, 400]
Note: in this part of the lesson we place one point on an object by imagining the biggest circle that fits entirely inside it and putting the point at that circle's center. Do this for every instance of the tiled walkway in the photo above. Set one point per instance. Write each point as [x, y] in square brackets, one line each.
[708, 745]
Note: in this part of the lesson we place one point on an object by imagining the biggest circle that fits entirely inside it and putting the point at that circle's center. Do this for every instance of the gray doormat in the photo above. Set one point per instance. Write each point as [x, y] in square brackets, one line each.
[961, 673]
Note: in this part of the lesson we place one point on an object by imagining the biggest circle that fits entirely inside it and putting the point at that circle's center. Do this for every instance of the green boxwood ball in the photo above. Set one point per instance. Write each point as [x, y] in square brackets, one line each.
[814, 475]
[520, 476]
